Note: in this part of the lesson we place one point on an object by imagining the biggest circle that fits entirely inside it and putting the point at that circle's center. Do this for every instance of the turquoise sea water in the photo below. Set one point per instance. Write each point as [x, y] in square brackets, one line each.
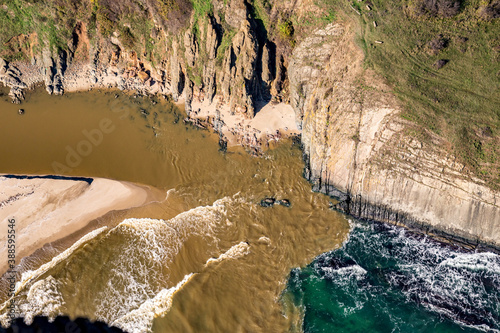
[386, 279]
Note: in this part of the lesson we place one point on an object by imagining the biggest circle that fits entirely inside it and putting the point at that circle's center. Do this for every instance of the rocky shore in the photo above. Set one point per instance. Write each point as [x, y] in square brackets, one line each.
[265, 121]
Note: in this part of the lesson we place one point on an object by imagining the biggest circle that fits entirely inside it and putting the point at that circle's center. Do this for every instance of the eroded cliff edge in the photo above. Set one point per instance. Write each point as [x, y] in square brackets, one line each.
[361, 151]
[245, 54]
[217, 53]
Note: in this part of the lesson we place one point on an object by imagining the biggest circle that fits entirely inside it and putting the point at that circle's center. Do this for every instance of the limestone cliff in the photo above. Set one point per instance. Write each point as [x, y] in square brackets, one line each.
[359, 150]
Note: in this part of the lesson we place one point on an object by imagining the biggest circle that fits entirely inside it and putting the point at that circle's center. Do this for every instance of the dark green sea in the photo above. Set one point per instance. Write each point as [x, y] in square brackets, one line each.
[387, 279]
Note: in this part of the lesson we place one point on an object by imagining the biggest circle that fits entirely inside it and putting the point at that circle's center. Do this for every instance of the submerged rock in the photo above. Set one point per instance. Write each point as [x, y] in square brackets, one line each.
[337, 263]
[284, 202]
[267, 202]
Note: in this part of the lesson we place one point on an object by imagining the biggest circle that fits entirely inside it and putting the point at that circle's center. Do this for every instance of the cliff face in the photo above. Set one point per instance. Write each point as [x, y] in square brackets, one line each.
[357, 146]
[360, 150]
[223, 54]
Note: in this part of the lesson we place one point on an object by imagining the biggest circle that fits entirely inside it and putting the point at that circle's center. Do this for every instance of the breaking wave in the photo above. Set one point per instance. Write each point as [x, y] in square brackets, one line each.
[43, 297]
[29, 276]
[127, 274]
[235, 252]
[414, 282]
[141, 319]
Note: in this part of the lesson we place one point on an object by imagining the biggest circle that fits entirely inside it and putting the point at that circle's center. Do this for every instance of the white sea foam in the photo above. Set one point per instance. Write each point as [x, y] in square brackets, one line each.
[141, 319]
[29, 276]
[43, 299]
[142, 250]
[484, 328]
[475, 262]
[450, 314]
[438, 277]
[236, 251]
[454, 279]
[349, 310]
[147, 247]
[264, 240]
[47, 288]
[168, 193]
[347, 278]
[353, 271]
[156, 242]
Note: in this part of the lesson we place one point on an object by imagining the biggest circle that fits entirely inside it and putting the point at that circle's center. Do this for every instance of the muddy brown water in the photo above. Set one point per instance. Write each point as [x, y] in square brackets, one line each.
[207, 258]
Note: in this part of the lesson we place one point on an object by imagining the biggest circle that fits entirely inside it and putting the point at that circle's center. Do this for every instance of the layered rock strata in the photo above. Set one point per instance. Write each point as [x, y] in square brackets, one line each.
[359, 150]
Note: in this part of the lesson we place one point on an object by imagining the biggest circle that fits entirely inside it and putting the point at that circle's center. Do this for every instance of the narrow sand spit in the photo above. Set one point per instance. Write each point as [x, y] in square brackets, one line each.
[46, 210]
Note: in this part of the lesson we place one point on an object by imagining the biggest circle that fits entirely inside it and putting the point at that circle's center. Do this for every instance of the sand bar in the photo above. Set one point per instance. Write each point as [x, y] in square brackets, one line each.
[46, 210]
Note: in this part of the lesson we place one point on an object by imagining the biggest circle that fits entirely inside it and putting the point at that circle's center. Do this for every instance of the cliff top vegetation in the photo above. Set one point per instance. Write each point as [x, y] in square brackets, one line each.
[442, 59]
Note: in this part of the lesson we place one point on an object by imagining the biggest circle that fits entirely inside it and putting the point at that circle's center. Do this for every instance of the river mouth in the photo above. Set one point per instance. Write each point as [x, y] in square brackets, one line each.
[214, 251]
[105, 134]
[208, 257]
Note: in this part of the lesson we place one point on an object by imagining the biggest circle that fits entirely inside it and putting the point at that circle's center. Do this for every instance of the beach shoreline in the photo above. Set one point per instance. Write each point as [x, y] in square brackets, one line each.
[273, 122]
[46, 210]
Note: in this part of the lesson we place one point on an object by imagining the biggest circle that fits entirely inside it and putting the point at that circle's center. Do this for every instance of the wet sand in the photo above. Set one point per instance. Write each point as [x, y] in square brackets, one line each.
[46, 210]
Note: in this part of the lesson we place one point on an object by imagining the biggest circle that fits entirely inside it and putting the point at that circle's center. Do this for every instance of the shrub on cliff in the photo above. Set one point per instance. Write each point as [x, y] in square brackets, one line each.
[174, 14]
[286, 29]
[437, 44]
[438, 8]
[491, 10]
[286, 32]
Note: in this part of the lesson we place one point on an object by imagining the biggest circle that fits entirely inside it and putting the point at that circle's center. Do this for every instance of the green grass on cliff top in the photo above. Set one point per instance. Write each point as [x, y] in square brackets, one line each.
[459, 101]
[54, 21]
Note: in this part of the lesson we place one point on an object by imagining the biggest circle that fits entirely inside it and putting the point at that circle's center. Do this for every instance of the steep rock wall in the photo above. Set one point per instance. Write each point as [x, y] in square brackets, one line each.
[187, 61]
[359, 150]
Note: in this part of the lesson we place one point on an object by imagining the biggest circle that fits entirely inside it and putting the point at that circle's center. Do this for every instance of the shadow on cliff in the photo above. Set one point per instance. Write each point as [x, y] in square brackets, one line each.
[262, 89]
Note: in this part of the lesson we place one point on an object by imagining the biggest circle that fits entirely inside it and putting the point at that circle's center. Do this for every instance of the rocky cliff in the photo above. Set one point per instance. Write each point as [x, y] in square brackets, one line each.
[246, 54]
[361, 151]
[186, 59]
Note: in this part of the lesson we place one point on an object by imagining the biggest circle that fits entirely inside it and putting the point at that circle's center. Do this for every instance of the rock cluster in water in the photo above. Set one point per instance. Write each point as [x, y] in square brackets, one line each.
[270, 202]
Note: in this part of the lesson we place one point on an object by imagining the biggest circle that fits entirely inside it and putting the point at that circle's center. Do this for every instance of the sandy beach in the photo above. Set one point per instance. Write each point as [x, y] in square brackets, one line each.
[271, 122]
[46, 210]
